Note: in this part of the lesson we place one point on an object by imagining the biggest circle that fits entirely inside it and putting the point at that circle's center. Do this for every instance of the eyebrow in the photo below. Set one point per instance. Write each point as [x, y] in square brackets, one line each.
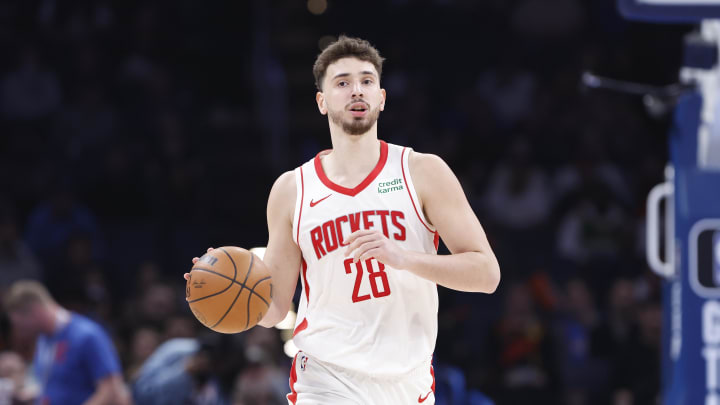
[363, 73]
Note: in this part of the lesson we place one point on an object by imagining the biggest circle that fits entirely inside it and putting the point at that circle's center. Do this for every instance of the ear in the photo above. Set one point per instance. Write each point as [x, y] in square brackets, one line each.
[382, 103]
[320, 99]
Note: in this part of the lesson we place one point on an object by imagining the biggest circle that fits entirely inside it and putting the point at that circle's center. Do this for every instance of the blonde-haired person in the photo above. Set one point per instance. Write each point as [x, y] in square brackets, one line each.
[74, 361]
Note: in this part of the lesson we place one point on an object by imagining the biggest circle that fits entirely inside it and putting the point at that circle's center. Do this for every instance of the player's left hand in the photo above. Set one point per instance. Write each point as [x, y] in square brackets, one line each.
[367, 244]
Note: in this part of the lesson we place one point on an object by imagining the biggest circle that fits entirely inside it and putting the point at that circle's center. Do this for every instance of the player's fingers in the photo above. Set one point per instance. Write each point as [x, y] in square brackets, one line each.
[210, 249]
[357, 243]
[360, 251]
[351, 238]
[187, 276]
[369, 254]
[195, 259]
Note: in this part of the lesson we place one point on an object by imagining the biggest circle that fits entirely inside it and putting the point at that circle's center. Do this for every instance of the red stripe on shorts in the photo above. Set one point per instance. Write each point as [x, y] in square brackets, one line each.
[292, 396]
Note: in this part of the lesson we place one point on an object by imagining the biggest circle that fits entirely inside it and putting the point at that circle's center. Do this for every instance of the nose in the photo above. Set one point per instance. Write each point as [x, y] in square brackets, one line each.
[357, 90]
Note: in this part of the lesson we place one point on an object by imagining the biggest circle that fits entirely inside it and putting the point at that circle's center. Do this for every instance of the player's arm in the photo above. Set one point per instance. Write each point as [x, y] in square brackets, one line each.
[282, 255]
[110, 390]
[472, 266]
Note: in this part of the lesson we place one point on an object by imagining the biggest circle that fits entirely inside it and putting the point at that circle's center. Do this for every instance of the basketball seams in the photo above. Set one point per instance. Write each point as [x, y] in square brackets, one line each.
[242, 287]
[228, 310]
[233, 263]
[219, 275]
[256, 289]
[252, 291]
[221, 291]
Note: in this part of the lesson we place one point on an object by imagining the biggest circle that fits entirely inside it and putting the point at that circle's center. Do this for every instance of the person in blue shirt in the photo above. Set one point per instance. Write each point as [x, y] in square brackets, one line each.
[75, 362]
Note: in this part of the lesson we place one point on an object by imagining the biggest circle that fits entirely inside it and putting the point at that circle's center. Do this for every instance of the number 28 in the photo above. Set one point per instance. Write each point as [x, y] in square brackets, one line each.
[373, 276]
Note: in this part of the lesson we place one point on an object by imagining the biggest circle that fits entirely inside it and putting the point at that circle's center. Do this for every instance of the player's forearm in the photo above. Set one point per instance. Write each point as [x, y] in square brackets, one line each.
[468, 271]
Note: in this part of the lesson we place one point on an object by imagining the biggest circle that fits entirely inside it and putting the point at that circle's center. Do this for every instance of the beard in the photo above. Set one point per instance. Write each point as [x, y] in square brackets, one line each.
[356, 125]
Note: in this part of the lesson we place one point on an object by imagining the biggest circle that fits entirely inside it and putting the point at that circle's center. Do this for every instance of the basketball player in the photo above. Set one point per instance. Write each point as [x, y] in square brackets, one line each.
[360, 225]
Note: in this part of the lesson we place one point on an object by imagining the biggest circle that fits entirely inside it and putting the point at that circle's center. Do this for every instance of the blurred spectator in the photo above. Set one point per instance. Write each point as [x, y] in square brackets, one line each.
[518, 202]
[15, 387]
[594, 227]
[16, 259]
[52, 225]
[262, 382]
[85, 124]
[197, 371]
[509, 91]
[260, 385]
[637, 368]
[180, 326]
[619, 323]
[518, 196]
[143, 343]
[522, 368]
[30, 92]
[157, 303]
[535, 19]
[74, 359]
[585, 377]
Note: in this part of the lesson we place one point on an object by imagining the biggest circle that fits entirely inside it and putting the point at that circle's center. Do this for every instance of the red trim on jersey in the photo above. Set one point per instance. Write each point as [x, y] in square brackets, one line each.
[402, 159]
[304, 276]
[436, 240]
[432, 373]
[302, 196]
[292, 396]
[303, 325]
[352, 192]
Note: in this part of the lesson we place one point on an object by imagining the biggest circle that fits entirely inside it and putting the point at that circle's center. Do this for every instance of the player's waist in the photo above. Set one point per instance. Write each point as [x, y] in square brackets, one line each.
[373, 371]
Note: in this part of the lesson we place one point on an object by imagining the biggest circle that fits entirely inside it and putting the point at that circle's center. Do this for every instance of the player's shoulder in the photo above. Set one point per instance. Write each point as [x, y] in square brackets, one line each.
[82, 328]
[283, 194]
[286, 181]
[426, 164]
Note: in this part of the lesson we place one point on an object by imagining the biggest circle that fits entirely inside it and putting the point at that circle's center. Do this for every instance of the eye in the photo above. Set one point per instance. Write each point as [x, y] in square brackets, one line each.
[367, 81]
[342, 84]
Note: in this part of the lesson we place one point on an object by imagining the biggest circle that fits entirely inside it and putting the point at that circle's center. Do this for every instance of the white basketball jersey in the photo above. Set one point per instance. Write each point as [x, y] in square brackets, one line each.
[366, 316]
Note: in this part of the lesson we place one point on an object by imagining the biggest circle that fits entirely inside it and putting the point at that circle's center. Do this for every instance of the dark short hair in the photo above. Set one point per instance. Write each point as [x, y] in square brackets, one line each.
[346, 47]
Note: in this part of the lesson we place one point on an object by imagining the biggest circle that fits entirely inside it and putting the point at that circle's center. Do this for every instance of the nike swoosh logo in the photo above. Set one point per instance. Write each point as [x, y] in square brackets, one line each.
[314, 203]
[422, 399]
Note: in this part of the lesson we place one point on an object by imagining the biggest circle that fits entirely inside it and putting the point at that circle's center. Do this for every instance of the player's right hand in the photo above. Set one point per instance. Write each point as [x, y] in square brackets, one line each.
[194, 260]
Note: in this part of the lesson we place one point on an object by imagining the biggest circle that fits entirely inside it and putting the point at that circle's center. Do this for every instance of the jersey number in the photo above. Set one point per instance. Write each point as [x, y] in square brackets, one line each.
[373, 276]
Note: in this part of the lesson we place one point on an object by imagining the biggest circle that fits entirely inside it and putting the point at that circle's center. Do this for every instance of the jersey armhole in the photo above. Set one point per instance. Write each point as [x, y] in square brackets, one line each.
[407, 178]
[297, 215]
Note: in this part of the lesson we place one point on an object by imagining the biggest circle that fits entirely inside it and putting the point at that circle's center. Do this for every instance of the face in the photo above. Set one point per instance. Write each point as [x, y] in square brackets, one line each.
[12, 366]
[29, 321]
[351, 95]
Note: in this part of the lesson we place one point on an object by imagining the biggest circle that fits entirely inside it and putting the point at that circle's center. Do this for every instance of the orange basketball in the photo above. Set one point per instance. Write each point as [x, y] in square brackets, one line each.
[229, 289]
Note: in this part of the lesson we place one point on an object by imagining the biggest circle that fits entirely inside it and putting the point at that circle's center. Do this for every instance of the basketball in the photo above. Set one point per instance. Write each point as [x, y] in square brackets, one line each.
[229, 289]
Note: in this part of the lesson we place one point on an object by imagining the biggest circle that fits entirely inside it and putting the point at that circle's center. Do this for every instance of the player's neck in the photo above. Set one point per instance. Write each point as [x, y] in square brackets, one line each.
[352, 154]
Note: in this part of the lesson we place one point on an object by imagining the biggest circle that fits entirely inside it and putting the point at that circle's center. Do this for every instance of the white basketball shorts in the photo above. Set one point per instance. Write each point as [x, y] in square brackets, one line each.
[313, 382]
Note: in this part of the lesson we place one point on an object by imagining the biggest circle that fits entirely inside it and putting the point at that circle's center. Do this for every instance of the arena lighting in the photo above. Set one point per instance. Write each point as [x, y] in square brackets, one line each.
[290, 349]
[317, 7]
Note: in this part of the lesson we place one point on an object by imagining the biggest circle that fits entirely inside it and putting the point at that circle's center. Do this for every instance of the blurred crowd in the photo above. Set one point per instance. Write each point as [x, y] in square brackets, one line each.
[135, 134]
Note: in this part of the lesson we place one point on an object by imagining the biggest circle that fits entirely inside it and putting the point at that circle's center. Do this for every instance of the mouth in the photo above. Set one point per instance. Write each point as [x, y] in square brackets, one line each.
[358, 109]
